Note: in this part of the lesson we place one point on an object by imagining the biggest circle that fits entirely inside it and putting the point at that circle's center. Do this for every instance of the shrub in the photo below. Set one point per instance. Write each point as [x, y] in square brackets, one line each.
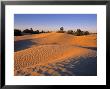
[42, 31]
[36, 32]
[28, 31]
[31, 30]
[70, 32]
[61, 30]
[48, 31]
[17, 32]
[86, 33]
[79, 32]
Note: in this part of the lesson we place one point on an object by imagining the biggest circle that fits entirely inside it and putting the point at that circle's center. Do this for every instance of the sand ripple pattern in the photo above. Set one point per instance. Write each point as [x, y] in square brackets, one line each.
[56, 54]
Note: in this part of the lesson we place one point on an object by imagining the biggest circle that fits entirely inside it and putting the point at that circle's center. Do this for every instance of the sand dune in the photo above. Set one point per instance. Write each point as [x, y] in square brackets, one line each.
[50, 53]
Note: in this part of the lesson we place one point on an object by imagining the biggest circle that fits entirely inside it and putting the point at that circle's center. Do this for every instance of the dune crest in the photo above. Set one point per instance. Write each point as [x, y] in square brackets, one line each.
[49, 51]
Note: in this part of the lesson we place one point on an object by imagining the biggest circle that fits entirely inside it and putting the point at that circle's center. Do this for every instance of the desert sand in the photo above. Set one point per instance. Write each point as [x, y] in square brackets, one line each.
[55, 54]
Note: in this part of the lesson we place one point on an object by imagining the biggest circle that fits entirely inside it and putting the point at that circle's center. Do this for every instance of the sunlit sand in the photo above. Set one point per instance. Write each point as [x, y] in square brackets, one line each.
[55, 54]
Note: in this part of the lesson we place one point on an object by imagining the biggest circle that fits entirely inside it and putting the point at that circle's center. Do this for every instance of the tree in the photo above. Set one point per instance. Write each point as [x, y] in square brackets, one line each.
[79, 32]
[36, 32]
[70, 31]
[86, 33]
[31, 30]
[42, 31]
[28, 31]
[61, 29]
[17, 32]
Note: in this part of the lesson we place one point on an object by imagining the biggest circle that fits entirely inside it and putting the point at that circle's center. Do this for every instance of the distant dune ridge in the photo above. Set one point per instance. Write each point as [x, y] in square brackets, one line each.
[55, 54]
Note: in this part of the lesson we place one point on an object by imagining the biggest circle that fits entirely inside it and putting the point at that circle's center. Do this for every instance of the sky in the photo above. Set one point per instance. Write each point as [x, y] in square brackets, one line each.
[53, 22]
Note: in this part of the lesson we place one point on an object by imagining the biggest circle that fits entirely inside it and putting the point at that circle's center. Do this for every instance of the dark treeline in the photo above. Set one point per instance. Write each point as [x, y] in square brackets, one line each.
[18, 32]
[78, 32]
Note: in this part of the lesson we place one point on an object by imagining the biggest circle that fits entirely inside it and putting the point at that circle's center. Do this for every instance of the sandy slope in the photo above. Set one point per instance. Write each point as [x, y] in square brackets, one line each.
[41, 54]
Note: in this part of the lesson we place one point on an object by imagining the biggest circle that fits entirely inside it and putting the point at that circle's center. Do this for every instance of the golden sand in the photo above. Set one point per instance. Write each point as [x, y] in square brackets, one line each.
[49, 49]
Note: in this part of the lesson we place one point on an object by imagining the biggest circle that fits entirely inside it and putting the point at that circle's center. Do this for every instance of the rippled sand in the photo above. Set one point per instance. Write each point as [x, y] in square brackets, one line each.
[55, 54]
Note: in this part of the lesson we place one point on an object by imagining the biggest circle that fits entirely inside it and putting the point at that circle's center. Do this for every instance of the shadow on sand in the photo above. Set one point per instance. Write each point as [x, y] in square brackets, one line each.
[76, 67]
[81, 67]
[85, 67]
[92, 48]
[23, 44]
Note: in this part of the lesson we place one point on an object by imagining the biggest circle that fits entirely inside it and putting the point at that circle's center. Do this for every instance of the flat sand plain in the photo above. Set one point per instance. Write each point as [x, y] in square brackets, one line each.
[55, 54]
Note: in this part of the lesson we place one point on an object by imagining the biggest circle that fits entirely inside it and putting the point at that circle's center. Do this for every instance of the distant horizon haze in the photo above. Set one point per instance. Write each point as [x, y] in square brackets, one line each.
[53, 22]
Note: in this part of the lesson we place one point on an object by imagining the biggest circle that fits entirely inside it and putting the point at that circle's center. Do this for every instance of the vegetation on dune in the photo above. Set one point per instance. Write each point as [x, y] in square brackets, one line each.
[86, 33]
[78, 32]
[17, 32]
[36, 32]
[28, 31]
[70, 32]
[61, 30]
[31, 31]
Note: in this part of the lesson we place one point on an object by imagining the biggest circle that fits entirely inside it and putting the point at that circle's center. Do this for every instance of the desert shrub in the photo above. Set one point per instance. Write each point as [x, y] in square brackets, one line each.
[48, 31]
[86, 33]
[70, 32]
[28, 31]
[31, 30]
[36, 32]
[17, 32]
[78, 32]
[42, 31]
[61, 30]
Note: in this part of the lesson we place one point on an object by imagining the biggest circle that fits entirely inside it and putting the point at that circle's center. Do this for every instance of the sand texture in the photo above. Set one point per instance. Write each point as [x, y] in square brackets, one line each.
[55, 54]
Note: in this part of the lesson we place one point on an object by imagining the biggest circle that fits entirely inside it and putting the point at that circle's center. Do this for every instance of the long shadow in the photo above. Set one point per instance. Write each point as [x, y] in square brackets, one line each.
[85, 67]
[23, 44]
[92, 48]
[77, 67]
